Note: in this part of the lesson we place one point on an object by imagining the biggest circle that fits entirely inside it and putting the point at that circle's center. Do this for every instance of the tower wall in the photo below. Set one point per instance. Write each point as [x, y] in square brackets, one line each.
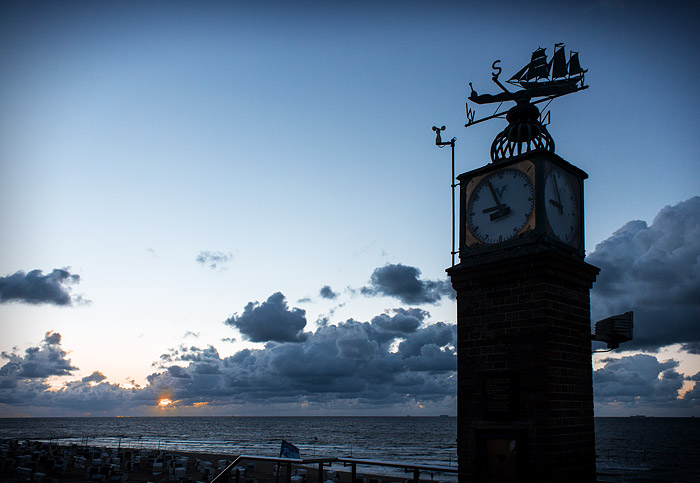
[525, 396]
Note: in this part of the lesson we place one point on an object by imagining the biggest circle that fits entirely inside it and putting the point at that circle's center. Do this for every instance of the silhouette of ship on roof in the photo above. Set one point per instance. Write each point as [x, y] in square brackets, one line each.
[540, 78]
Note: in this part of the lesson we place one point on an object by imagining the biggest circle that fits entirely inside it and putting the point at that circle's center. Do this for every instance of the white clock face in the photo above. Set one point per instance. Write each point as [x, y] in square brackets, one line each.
[500, 205]
[560, 205]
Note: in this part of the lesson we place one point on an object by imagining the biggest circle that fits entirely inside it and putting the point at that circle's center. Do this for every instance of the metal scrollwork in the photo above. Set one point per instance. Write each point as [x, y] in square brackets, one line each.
[496, 69]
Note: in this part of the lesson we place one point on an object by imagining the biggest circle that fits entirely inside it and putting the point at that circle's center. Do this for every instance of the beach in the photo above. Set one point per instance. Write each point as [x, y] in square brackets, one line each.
[42, 462]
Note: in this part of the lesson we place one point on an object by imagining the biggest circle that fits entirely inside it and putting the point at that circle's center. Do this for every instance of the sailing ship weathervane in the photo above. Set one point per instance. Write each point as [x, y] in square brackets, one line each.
[539, 81]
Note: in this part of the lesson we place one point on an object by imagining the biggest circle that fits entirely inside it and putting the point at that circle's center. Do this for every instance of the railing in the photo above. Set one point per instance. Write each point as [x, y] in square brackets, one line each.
[352, 462]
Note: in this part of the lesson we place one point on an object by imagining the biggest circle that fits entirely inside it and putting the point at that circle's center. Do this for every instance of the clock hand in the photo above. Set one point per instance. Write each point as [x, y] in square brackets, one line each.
[558, 205]
[494, 208]
[556, 189]
[501, 209]
[493, 193]
[505, 211]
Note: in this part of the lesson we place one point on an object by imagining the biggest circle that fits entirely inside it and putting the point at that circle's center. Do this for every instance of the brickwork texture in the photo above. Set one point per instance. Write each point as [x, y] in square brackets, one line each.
[524, 367]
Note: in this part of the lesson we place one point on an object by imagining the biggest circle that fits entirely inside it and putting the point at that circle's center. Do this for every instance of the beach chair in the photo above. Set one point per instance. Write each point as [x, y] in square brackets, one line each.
[38, 476]
[116, 476]
[94, 474]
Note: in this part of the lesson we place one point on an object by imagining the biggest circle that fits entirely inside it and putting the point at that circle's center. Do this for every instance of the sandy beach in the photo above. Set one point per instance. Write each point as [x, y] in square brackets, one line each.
[39, 462]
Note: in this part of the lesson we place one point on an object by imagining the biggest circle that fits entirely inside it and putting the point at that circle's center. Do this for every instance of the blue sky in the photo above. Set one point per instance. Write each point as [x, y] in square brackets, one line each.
[188, 162]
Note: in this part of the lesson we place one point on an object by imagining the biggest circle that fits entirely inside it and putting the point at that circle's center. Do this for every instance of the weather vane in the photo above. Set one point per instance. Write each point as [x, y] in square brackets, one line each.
[538, 79]
[526, 130]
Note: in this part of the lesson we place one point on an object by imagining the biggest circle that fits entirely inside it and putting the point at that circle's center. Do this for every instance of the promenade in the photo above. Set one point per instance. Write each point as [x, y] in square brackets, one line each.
[25, 461]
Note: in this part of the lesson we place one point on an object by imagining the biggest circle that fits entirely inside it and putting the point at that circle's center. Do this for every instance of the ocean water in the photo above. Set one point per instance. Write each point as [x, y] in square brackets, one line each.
[628, 449]
[648, 449]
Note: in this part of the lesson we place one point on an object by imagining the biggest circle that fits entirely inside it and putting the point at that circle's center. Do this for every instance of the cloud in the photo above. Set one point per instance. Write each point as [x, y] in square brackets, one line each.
[437, 335]
[327, 293]
[270, 321]
[40, 362]
[653, 270]
[36, 288]
[691, 347]
[214, 260]
[178, 372]
[386, 327]
[386, 364]
[641, 382]
[96, 376]
[403, 282]
[24, 386]
[350, 361]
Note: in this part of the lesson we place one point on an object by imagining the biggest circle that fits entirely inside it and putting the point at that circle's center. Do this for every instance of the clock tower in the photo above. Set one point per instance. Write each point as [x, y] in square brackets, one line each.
[525, 393]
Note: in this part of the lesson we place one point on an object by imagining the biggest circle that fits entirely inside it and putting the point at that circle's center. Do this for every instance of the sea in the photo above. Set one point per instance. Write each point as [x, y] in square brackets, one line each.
[637, 449]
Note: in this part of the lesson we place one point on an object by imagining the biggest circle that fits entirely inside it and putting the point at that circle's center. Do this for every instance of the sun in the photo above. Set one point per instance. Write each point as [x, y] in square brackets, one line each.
[165, 402]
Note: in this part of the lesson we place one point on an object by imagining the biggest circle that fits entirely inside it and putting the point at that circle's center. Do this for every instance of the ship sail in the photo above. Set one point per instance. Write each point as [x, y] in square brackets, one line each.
[575, 66]
[559, 62]
[541, 78]
[538, 67]
[520, 75]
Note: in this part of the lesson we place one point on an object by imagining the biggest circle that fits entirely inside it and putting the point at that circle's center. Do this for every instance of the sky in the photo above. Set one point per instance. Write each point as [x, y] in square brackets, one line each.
[219, 208]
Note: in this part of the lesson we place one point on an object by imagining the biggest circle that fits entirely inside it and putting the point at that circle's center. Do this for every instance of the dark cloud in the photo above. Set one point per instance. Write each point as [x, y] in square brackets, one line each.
[178, 372]
[397, 323]
[376, 363]
[403, 282]
[395, 360]
[191, 354]
[214, 260]
[691, 347]
[655, 271]
[641, 382]
[404, 321]
[96, 376]
[36, 288]
[23, 384]
[49, 359]
[270, 321]
[439, 335]
[327, 293]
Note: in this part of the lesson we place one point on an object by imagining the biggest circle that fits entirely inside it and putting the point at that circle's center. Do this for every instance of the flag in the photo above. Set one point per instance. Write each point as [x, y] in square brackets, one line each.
[288, 450]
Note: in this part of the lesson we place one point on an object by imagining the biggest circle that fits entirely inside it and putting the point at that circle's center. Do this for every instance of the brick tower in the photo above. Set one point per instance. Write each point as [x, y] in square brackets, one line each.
[525, 395]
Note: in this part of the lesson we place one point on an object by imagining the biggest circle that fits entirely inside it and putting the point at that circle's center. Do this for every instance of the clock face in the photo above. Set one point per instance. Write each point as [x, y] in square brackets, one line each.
[500, 205]
[561, 205]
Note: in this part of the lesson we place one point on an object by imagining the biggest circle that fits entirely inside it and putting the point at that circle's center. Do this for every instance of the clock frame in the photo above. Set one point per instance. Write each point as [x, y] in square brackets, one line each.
[554, 220]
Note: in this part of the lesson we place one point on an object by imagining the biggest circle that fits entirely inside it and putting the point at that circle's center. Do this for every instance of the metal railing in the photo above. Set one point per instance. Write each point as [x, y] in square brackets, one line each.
[323, 462]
